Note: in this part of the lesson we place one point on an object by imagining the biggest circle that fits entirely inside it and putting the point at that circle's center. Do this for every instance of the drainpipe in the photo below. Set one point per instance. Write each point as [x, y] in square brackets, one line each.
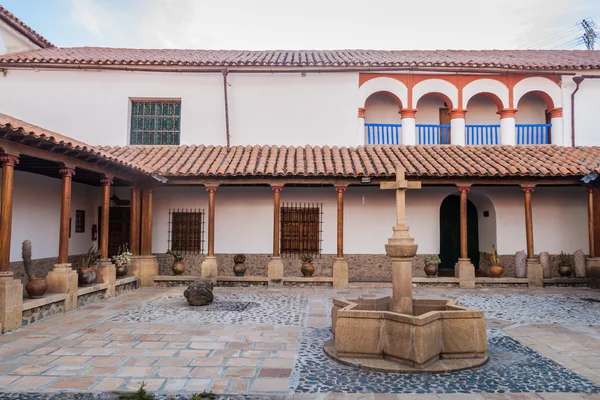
[225, 84]
[577, 80]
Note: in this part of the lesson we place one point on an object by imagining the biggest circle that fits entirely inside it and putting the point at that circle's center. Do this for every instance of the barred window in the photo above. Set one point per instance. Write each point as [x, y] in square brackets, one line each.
[155, 122]
[79, 221]
[186, 233]
[301, 228]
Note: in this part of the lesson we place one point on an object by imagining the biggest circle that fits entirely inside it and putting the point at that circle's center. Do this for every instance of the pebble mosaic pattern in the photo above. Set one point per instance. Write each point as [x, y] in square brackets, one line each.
[512, 368]
[244, 309]
[108, 396]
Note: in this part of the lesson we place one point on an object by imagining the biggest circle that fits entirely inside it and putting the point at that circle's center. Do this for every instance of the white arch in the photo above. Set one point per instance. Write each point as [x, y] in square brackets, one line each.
[435, 86]
[537, 84]
[485, 86]
[383, 84]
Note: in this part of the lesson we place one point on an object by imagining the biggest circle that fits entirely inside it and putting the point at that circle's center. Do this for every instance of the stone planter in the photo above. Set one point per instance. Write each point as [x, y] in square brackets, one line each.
[239, 269]
[565, 270]
[86, 276]
[178, 268]
[307, 269]
[431, 270]
[121, 270]
[36, 288]
[496, 271]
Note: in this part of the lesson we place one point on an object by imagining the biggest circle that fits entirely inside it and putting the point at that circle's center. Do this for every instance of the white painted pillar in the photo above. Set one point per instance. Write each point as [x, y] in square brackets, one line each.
[508, 130]
[557, 130]
[361, 127]
[458, 134]
[409, 127]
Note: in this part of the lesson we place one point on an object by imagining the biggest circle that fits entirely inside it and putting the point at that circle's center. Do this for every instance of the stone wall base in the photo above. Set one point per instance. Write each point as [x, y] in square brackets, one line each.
[63, 279]
[145, 268]
[210, 269]
[275, 271]
[340, 273]
[465, 272]
[535, 273]
[106, 272]
[11, 302]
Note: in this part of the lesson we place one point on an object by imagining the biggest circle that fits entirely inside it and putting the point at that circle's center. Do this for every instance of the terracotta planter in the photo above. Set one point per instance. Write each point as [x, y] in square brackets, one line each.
[239, 269]
[178, 268]
[307, 269]
[431, 270]
[86, 276]
[565, 270]
[496, 271]
[121, 270]
[36, 288]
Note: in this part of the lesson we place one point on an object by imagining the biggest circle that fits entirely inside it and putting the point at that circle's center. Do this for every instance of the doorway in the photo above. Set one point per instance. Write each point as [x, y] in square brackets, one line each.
[450, 234]
[118, 228]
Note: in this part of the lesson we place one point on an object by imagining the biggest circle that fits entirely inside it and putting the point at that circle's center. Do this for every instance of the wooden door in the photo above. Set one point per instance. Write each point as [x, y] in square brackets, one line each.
[450, 233]
[118, 228]
[444, 120]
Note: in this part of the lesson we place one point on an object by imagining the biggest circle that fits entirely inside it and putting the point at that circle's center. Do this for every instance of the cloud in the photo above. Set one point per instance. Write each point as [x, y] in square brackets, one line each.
[96, 18]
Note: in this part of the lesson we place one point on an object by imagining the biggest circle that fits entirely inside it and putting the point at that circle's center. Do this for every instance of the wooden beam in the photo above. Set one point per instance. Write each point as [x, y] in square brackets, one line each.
[276, 218]
[65, 214]
[340, 220]
[464, 250]
[528, 221]
[106, 182]
[134, 232]
[591, 224]
[211, 220]
[6, 208]
[146, 233]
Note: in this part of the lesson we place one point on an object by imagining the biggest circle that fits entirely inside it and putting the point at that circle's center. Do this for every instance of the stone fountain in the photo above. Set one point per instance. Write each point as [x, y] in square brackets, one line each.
[399, 333]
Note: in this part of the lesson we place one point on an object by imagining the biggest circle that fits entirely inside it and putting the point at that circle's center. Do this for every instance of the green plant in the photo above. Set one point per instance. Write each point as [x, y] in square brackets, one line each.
[176, 256]
[203, 395]
[91, 258]
[565, 259]
[123, 257]
[495, 257]
[432, 259]
[239, 259]
[306, 258]
[141, 394]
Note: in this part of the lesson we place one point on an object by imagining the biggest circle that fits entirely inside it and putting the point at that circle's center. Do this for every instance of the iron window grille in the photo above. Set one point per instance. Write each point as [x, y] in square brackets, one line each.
[301, 229]
[186, 231]
[79, 221]
[155, 122]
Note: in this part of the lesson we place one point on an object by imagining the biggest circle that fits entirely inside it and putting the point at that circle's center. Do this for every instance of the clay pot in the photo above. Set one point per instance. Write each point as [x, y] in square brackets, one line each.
[565, 270]
[496, 271]
[86, 276]
[307, 269]
[36, 288]
[121, 270]
[239, 269]
[431, 270]
[178, 268]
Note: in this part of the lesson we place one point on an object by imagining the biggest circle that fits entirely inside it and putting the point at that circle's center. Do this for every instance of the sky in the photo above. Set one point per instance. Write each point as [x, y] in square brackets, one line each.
[309, 24]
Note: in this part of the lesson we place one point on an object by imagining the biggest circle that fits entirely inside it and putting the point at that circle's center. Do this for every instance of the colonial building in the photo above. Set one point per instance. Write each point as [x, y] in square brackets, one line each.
[276, 153]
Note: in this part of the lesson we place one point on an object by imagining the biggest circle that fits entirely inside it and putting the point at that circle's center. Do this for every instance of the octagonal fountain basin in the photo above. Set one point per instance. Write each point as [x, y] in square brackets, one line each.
[441, 336]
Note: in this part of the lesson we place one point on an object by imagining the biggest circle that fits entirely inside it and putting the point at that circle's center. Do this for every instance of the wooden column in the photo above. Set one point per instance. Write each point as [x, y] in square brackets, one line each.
[211, 220]
[591, 227]
[340, 220]
[464, 250]
[146, 234]
[276, 218]
[134, 222]
[528, 221]
[106, 182]
[65, 215]
[8, 173]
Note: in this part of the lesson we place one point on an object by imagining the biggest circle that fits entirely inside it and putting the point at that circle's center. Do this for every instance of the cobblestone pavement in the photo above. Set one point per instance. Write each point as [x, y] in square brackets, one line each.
[103, 347]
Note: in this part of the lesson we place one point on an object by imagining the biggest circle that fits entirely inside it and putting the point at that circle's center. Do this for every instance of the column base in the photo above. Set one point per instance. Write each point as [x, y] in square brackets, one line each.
[145, 268]
[535, 273]
[106, 272]
[210, 269]
[340, 273]
[63, 279]
[11, 302]
[275, 271]
[464, 270]
[593, 267]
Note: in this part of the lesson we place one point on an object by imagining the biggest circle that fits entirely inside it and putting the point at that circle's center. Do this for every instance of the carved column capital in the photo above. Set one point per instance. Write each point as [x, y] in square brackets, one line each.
[361, 112]
[507, 113]
[277, 189]
[340, 189]
[464, 189]
[527, 189]
[66, 171]
[8, 160]
[211, 189]
[106, 181]
[457, 113]
[408, 112]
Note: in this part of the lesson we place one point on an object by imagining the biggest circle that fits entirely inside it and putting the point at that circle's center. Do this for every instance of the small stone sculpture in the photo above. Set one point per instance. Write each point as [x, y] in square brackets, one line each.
[579, 264]
[546, 266]
[199, 293]
[521, 264]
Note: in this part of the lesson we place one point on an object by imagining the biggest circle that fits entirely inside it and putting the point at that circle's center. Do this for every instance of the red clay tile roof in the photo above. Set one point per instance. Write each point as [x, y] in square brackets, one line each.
[24, 29]
[374, 161]
[505, 59]
[25, 129]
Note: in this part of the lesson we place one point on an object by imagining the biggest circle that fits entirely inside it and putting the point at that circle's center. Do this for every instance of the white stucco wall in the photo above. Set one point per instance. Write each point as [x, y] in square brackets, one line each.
[382, 109]
[13, 42]
[532, 110]
[36, 215]
[482, 110]
[587, 104]
[429, 110]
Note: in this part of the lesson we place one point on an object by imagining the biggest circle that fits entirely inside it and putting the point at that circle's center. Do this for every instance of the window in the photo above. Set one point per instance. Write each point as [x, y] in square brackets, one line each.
[186, 231]
[79, 221]
[155, 122]
[301, 228]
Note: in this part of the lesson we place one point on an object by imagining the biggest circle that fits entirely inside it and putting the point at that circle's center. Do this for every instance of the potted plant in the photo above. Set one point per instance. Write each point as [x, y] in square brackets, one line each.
[496, 270]
[431, 265]
[565, 265]
[178, 268]
[307, 269]
[85, 272]
[122, 260]
[239, 268]
[36, 287]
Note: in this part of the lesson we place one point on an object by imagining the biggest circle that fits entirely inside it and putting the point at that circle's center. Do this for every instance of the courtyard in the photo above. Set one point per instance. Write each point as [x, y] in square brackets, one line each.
[543, 343]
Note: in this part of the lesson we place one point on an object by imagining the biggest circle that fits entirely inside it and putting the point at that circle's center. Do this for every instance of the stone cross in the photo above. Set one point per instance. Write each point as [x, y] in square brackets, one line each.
[400, 185]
